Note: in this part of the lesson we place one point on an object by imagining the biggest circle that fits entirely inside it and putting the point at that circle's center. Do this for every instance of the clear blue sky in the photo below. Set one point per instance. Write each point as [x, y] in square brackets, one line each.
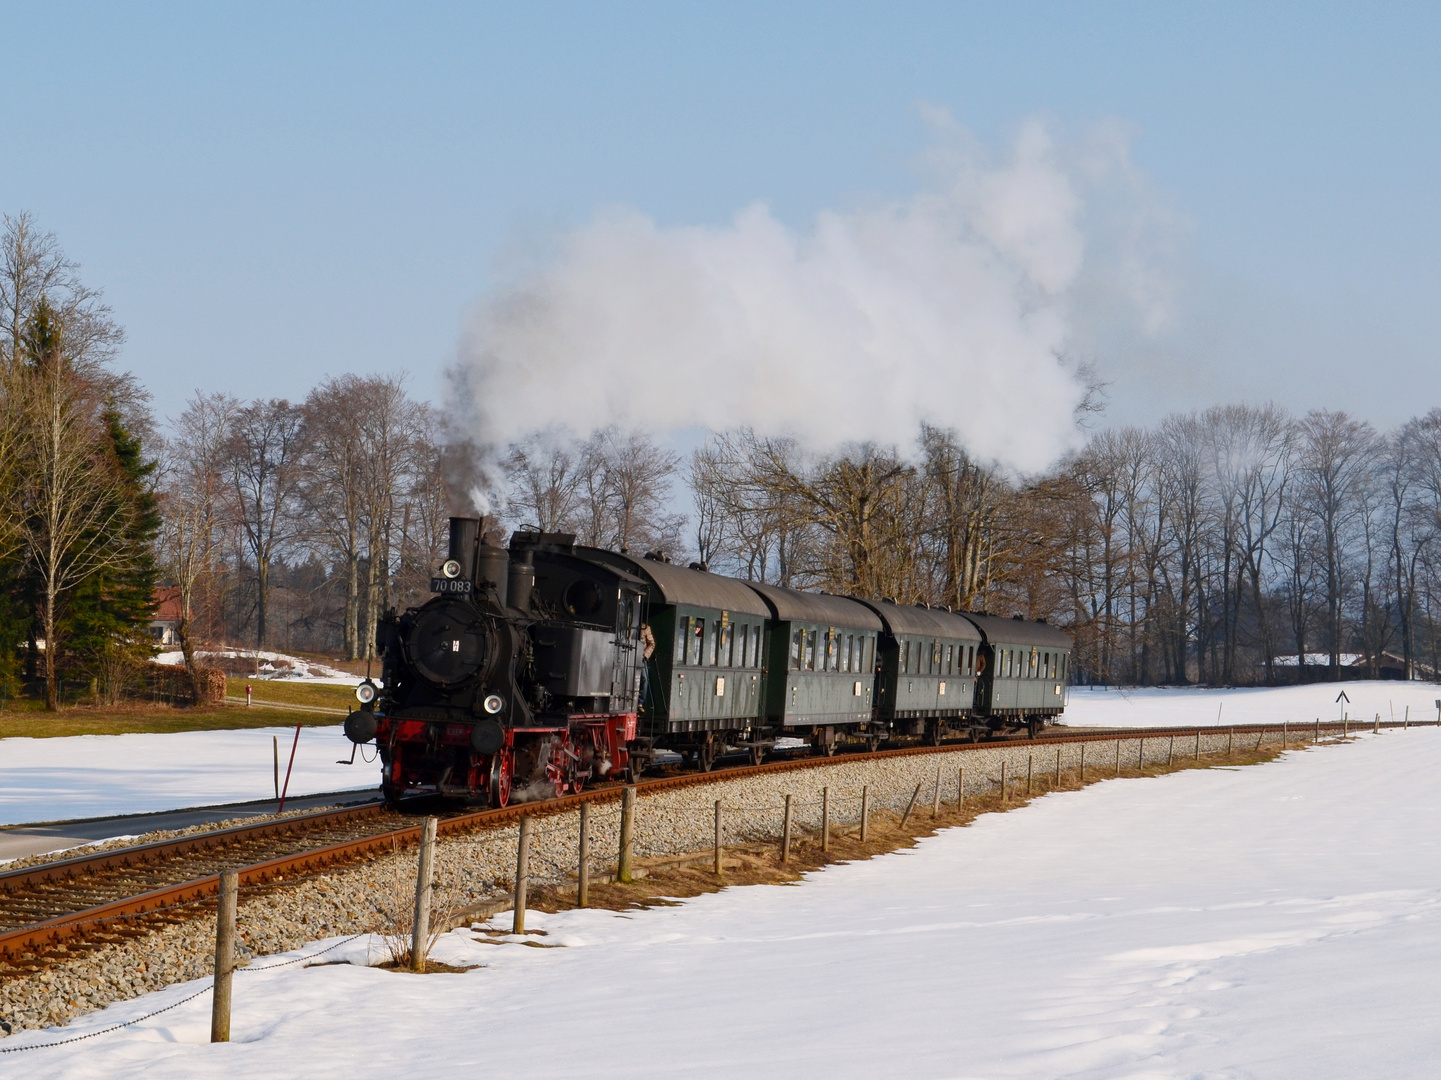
[268, 194]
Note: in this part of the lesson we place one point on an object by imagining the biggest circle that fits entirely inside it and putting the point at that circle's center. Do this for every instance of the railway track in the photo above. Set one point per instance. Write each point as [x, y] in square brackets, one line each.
[51, 910]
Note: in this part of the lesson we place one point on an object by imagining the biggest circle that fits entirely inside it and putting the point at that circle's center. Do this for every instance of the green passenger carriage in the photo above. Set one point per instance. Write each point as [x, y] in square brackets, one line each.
[1026, 665]
[926, 678]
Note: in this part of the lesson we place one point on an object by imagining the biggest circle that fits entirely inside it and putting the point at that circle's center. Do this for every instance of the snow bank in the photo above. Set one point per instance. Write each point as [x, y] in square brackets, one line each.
[1279, 921]
[1188, 707]
[83, 776]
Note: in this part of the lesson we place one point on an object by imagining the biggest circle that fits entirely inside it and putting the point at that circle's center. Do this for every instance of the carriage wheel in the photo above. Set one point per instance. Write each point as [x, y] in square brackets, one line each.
[708, 751]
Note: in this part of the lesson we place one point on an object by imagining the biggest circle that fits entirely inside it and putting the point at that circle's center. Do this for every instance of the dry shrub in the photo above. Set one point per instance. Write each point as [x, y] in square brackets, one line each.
[393, 903]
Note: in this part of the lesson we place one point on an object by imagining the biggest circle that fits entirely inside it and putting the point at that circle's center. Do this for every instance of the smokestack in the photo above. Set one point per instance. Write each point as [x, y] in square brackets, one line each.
[463, 535]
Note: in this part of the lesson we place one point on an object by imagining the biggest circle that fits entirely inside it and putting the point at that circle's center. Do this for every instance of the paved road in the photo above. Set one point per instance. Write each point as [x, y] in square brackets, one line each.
[18, 841]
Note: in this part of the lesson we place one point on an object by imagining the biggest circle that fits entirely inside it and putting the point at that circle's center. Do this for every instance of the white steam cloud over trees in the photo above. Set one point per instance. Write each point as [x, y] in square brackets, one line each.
[954, 308]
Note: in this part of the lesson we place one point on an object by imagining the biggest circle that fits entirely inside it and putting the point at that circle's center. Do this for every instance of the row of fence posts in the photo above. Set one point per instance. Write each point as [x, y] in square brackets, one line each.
[625, 872]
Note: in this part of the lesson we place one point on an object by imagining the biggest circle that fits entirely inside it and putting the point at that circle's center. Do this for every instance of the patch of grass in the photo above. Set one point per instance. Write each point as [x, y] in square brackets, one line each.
[292, 693]
[164, 719]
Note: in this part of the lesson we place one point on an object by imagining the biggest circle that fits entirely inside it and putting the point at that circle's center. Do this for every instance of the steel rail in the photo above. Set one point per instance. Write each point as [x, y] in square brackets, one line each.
[158, 850]
[14, 944]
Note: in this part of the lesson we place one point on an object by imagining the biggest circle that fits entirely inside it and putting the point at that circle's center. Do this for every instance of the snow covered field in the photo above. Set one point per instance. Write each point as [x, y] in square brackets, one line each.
[1278, 921]
[81, 776]
[1187, 707]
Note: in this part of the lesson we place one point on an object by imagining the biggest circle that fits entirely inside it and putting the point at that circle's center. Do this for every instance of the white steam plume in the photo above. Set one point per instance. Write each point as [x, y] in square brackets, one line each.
[953, 307]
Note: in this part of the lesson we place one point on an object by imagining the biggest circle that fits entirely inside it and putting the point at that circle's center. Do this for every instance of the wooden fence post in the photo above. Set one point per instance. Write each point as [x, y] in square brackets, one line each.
[825, 819]
[786, 833]
[1198, 746]
[1230, 735]
[582, 870]
[522, 876]
[1285, 734]
[1376, 728]
[1118, 757]
[961, 788]
[1003, 783]
[1317, 737]
[911, 805]
[424, 872]
[1083, 764]
[1028, 773]
[224, 956]
[1058, 766]
[936, 806]
[865, 811]
[718, 838]
[627, 835]
[1141, 756]
[1171, 752]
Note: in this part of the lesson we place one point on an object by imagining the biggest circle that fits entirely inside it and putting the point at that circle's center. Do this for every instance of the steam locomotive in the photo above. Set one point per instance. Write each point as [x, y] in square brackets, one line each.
[524, 677]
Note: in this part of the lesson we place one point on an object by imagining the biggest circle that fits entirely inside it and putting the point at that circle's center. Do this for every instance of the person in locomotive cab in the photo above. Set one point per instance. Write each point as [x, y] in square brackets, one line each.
[647, 648]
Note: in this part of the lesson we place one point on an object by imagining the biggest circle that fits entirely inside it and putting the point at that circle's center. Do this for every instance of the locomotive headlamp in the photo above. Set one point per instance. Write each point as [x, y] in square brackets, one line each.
[365, 692]
[493, 704]
[450, 568]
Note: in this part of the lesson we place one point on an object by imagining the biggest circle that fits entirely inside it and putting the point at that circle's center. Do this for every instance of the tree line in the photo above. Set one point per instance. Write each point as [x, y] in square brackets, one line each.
[264, 522]
[1235, 544]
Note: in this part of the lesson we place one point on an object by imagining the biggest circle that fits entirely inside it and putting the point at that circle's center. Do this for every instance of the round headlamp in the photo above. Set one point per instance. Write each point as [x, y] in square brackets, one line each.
[365, 692]
[450, 568]
[493, 704]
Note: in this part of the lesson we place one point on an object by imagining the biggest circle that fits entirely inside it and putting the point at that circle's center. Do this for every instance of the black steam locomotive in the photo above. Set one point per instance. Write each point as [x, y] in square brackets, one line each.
[525, 677]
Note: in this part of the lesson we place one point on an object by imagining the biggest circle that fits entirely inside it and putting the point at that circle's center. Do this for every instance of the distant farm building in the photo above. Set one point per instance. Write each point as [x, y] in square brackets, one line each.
[1317, 668]
[165, 625]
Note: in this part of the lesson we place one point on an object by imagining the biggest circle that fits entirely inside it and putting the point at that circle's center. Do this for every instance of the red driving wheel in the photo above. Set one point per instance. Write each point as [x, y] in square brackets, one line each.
[502, 771]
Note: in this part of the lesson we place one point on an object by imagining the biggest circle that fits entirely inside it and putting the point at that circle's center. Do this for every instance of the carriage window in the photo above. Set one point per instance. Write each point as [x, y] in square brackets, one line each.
[697, 639]
[935, 657]
[797, 636]
[970, 659]
[810, 643]
[727, 658]
[950, 659]
[744, 650]
[682, 632]
[1035, 660]
[847, 660]
[905, 657]
[833, 648]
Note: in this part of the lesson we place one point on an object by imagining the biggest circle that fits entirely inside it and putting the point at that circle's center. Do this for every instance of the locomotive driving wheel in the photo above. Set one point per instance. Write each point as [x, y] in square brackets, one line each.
[502, 772]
